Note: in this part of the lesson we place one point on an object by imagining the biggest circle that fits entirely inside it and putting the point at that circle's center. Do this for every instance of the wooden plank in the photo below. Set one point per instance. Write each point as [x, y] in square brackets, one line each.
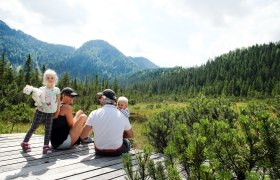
[32, 160]
[108, 173]
[17, 141]
[79, 162]
[52, 169]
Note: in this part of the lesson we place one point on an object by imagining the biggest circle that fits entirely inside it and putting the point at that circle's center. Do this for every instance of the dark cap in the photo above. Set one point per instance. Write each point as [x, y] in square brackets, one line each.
[109, 93]
[69, 92]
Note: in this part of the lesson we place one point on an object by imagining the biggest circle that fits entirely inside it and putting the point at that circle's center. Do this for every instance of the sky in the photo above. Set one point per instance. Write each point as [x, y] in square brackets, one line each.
[169, 33]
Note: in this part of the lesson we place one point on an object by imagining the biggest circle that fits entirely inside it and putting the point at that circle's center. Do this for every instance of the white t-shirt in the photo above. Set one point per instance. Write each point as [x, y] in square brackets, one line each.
[108, 126]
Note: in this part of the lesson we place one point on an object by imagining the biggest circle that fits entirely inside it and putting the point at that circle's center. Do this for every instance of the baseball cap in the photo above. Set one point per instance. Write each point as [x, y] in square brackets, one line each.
[69, 92]
[109, 93]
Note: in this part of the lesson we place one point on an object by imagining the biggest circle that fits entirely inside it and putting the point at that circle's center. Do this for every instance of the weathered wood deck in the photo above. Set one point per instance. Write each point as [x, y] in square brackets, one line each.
[76, 163]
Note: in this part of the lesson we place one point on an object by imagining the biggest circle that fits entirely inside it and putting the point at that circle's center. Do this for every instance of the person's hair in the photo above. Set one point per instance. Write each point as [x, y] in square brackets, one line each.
[123, 99]
[105, 100]
[51, 73]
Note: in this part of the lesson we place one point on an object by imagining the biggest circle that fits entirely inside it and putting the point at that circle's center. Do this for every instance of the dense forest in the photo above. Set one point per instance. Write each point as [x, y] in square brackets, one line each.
[246, 72]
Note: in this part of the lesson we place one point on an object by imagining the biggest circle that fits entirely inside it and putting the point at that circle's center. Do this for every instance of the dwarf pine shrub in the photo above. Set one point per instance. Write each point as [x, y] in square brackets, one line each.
[210, 139]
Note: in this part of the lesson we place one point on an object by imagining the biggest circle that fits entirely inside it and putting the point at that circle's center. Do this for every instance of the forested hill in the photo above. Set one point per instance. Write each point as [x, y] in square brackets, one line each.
[252, 71]
[16, 45]
[93, 57]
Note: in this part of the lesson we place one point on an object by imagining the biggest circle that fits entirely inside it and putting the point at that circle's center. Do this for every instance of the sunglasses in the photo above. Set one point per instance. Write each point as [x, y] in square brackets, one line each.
[71, 96]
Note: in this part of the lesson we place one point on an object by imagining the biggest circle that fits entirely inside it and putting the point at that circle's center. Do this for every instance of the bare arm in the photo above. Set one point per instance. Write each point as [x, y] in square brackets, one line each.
[67, 111]
[128, 134]
[58, 106]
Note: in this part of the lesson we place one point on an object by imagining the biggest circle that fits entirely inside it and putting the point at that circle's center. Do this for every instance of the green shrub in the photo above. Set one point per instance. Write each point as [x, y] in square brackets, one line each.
[211, 140]
[150, 106]
[14, 114]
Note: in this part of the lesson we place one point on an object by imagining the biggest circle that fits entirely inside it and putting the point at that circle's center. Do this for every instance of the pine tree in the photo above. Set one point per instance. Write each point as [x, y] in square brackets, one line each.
[65, 80]
[28, 70]
[3, 66]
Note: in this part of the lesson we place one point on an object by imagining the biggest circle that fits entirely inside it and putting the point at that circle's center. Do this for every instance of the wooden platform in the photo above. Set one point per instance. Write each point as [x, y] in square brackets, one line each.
[76, 163]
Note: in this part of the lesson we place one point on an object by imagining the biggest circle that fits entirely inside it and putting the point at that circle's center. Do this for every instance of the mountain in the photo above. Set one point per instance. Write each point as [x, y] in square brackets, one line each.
[144, 63]
[93, 57]
[17, 45]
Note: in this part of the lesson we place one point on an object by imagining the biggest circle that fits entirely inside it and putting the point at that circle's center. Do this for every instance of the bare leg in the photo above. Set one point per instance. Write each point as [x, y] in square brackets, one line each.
[78, 114]
[77, 128]
[86, 132]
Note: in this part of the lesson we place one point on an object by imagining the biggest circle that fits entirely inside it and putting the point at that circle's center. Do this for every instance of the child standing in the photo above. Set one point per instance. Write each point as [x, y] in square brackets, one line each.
[122, 105]
[46, 112]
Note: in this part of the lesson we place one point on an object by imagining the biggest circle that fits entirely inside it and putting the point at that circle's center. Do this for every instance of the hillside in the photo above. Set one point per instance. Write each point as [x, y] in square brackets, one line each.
[252, 71]
[93, 57]
[144, 63]
[97, 57]
[17, 45]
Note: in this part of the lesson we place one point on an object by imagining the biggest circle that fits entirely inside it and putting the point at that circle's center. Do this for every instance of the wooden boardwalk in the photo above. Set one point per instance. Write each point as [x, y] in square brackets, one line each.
[76, 163]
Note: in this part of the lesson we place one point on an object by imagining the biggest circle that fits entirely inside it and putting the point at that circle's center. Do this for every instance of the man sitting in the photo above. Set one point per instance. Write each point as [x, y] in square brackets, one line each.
[109, 125]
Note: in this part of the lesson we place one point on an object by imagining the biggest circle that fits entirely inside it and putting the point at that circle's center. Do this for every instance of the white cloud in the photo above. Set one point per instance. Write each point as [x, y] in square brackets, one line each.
[169, 33]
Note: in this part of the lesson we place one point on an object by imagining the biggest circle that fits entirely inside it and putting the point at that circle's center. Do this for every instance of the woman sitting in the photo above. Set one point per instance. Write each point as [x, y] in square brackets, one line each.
[66, 129]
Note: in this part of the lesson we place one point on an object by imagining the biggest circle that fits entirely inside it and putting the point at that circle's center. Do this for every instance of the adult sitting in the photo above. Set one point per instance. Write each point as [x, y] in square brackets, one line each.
[109, 126]
[66, 129]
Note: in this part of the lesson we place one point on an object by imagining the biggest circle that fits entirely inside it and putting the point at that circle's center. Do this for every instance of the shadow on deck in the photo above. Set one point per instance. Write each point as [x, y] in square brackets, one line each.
[76, 163]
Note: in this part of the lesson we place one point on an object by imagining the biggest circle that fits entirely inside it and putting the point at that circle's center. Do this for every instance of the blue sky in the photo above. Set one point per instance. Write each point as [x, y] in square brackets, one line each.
[168, 32]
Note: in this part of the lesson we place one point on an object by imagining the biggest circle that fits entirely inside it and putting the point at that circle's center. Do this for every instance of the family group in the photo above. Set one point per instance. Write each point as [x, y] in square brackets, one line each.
[109, 123]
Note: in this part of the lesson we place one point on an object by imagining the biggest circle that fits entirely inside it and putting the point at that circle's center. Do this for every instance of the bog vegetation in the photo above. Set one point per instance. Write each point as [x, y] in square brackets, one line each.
[212, 139]
[217, 121]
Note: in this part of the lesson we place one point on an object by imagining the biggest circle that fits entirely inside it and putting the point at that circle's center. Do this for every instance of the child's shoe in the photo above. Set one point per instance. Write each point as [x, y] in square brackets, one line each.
[25, 147]
[46, 149]
[87, 140]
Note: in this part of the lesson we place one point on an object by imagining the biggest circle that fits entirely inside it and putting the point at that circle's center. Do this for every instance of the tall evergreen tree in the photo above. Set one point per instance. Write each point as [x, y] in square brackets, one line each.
[20, 78]
[65, 80]
[116, 85]
[28, 68]
[44, 68]
[3, 66]
[35, 78]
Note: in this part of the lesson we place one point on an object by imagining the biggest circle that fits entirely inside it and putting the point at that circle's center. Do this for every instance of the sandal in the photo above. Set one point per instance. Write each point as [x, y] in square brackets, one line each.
[25, 147]
[46, 149]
